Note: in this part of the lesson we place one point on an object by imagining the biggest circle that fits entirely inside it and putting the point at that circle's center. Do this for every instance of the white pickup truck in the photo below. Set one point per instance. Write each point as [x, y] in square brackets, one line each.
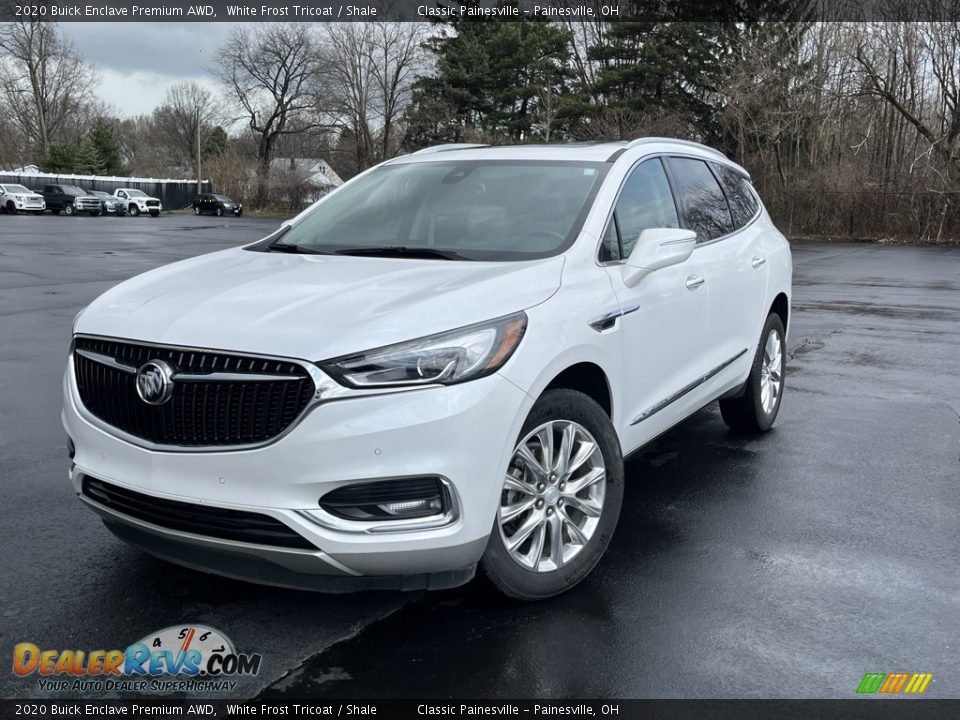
[137, 201]
[15, 198]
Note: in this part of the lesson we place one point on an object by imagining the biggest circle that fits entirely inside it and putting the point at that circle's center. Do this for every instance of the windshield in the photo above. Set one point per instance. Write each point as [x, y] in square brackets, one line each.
[73, 190]
[136, 193]
[475, 210]
[17, 189]
[223, 198]
[102, 194]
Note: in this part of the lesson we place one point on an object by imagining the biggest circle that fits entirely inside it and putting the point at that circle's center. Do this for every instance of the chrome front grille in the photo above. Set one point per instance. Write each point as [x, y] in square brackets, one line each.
[218, 400]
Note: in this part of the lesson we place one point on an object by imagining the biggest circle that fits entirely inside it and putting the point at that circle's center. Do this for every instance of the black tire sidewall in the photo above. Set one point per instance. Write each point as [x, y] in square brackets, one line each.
[765, 421]
[499, 567]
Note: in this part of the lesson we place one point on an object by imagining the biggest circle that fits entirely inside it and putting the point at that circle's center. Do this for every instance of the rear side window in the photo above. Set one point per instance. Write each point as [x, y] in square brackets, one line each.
[740, 197]
[703, 203]
[645, 202]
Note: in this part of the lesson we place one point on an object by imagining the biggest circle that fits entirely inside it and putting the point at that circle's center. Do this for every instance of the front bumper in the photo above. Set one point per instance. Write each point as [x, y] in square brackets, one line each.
[464, 433]
[30, 205]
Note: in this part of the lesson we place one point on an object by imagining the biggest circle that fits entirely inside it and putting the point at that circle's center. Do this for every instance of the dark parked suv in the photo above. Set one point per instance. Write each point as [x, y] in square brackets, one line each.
[216, 205]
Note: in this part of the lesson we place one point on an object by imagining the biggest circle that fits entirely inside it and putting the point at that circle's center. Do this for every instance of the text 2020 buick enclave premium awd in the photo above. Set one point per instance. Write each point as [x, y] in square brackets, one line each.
[439, 366]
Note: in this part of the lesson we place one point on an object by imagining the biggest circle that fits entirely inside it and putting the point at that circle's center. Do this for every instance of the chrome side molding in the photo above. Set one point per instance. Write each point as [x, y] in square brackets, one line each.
[687, 388]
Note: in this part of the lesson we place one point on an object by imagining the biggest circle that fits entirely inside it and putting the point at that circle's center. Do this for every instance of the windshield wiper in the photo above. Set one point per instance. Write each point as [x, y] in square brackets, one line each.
[297, 249]
[403, 251]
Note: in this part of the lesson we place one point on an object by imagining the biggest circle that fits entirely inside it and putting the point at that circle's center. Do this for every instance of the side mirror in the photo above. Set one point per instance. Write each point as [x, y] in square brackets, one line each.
[657, 248]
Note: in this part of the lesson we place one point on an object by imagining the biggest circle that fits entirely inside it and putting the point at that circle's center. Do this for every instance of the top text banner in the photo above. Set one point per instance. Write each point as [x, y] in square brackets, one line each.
[488, 10]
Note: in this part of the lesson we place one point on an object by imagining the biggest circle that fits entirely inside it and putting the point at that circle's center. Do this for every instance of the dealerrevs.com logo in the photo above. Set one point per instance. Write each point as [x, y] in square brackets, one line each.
[180, 658]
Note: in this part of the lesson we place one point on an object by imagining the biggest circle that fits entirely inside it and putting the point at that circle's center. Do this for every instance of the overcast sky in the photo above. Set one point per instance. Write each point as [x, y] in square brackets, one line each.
[138, 61]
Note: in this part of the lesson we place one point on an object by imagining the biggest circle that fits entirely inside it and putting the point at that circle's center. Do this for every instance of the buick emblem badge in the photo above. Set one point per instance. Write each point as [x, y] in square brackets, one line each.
[155, 382]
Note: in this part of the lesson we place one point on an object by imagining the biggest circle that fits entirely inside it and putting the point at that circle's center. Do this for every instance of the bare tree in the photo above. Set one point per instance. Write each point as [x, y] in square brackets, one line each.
[272, 73]
[915, 69]
[372, 69]
[42, 78]
[187, 109]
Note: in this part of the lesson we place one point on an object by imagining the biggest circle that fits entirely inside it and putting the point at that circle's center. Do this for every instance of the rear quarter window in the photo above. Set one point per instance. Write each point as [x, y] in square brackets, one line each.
[740, 196]
[704, 206]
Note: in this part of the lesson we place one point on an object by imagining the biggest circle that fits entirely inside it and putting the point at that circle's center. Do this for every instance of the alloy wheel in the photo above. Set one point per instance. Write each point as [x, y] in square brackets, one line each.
[552, 496]
[771, 372]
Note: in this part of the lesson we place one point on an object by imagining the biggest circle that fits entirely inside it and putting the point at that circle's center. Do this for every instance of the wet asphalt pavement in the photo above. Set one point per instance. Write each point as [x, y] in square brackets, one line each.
[785, 566]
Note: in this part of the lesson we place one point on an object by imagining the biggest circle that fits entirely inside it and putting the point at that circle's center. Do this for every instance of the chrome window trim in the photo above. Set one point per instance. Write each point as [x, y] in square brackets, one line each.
[326, 390]
[662, 155]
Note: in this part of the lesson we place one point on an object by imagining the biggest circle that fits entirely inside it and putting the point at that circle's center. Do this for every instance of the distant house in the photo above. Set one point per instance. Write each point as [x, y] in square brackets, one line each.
[314, 176]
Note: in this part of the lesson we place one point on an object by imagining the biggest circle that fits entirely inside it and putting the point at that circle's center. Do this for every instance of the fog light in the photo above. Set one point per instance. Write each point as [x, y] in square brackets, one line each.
[403, 498]
[413, 508]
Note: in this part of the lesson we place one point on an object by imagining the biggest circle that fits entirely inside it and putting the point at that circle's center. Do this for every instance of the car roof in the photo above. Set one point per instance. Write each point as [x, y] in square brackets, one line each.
[576, 152]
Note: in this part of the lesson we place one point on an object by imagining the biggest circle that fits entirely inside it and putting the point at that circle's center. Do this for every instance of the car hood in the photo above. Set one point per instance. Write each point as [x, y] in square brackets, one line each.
[312, 307]
[24, 196]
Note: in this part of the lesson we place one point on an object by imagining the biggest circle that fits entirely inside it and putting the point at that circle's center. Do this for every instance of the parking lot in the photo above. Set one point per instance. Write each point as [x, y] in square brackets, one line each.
[784, 566]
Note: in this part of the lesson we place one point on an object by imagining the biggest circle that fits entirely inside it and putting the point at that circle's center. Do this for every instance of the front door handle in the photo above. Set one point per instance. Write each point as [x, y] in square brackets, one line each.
[695, 281]
[758, 261]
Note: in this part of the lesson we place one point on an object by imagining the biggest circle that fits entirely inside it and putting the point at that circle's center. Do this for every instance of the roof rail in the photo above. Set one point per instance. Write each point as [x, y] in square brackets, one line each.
[689, 143]
[448, 146]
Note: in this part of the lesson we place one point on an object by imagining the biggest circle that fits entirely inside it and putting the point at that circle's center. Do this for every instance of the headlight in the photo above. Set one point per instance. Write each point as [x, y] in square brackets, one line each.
[446, 358]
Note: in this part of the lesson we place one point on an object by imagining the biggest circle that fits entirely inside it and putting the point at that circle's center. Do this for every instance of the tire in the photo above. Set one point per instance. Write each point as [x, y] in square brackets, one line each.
[68, 210]
[219, 212]
[240, 213]
[134, 211]
[196, 211]
[55, 212]
[527, 574]
[95, 213]
[754, 412]
[154, 213]
[10, 208]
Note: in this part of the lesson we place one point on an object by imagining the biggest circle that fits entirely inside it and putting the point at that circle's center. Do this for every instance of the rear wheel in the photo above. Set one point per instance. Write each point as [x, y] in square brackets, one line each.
[756, 410]
[560, 499]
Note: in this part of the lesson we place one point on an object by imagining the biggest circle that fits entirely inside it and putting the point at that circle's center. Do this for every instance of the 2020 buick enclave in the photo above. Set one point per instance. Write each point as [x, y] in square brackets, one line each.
[438, 366]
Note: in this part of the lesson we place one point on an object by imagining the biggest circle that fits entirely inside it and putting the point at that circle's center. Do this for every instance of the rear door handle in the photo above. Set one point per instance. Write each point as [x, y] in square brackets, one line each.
[758, 261]
[695, 281]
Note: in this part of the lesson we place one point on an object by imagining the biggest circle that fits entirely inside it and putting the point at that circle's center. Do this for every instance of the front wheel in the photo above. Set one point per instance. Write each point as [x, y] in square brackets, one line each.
[196, 211]
[559, 501]
[219, 212]
[11, 208]
[154, 213]
[756, 409]
[68, 210]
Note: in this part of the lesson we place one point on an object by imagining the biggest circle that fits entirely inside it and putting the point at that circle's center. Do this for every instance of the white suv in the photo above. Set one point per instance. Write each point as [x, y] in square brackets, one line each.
[440, 365]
